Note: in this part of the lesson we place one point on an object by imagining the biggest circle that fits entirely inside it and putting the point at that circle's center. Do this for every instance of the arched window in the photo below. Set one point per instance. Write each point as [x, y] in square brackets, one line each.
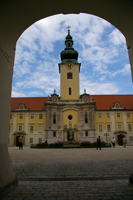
[54, 118]
[69, 75]
[86, 118]
[70, 91]
[69, 44]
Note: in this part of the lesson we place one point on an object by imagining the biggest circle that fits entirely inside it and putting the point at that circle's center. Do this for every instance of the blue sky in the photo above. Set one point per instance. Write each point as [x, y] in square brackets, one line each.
[103, 55]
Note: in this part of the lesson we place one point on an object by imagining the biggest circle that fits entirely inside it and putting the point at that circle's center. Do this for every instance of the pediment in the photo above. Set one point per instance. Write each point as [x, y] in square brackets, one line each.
[117, 106]
[21, 107]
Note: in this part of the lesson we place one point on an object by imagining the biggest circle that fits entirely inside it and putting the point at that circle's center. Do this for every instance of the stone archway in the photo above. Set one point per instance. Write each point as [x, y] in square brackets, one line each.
[15, 17]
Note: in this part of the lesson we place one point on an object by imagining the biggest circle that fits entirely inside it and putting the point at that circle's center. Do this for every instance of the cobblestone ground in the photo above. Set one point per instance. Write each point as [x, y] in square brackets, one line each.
[72, 162]
[45, 173]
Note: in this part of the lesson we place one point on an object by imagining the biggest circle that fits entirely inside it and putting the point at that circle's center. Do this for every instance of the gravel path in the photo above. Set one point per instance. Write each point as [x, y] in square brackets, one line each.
[72, 162]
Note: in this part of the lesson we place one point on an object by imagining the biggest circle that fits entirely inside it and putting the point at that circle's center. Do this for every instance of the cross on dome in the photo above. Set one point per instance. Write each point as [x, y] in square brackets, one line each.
[69, 28]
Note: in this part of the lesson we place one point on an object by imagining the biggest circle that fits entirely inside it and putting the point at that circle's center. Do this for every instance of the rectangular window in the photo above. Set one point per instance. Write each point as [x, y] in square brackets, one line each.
[20, 116]
[100, 127]
[20, 128]
[40, 116]
[128, 115]
[99, 115]
[129, 127]
[119, 127]
[40, 128]
[32, 116]
[10, 128]
[31, 140]
[118, 115]
[54, 134]
[10, 116]
[86, 118]
[40, 140]
[31, 129]
[131, 138]
[108, 127]
[86, 133]
[107, 115]
[69, 75]
[70, 91]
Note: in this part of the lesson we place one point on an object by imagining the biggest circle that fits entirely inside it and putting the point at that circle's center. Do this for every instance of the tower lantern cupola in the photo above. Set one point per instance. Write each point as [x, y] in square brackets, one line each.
[69, 54]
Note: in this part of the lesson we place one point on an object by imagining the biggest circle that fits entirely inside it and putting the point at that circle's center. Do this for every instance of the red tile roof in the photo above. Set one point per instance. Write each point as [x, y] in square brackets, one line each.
[103, 102]
[33, 103]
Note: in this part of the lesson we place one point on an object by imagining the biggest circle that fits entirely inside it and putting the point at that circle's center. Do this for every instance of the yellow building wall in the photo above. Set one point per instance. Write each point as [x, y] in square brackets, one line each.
[118, 120]
[11, 123]
[66, 82]
[129, 120]
[103, 120]
[74, 120]
[36, 122]
[20, 122]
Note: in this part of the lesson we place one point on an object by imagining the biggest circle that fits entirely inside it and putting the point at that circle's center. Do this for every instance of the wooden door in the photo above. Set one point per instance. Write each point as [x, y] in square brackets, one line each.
[120, 142]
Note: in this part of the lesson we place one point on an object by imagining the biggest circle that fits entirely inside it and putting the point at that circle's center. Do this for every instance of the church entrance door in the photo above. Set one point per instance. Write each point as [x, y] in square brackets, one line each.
[120, 142]
[70, 136]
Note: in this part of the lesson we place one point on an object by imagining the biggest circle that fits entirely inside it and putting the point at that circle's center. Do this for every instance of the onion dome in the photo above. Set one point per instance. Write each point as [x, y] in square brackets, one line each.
[69, 54]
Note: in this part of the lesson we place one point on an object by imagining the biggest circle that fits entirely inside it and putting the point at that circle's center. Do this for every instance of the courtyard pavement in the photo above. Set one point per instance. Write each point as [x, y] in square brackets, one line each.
[72, 173]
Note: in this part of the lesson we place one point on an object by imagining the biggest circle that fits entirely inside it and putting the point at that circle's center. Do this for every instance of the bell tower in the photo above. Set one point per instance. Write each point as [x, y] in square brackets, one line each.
[69, 69]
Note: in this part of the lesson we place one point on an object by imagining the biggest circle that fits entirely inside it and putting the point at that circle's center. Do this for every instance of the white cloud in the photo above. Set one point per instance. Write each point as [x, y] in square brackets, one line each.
[36, 61]
[124, 71]
[17, 94]
[95, 87]
[116, 37]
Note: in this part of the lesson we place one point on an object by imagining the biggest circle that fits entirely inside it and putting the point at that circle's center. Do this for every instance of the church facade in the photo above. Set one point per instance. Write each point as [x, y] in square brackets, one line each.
[71, 116]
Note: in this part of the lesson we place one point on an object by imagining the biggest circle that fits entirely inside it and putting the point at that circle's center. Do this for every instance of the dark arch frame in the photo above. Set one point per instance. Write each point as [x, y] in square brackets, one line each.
[17, 16]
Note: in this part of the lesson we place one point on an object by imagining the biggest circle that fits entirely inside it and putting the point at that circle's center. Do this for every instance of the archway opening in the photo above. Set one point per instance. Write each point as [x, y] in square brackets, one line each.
[102, 52]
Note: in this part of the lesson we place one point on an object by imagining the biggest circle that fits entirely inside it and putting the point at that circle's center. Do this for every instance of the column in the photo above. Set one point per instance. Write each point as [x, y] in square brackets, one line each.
[113, 122]
[124, 121]
[26, 128]
[14, 122]
[7, 175]
[66, 136]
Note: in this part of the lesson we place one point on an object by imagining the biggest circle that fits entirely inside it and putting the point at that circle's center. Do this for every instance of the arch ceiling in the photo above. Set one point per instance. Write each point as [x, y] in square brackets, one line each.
[18, 15]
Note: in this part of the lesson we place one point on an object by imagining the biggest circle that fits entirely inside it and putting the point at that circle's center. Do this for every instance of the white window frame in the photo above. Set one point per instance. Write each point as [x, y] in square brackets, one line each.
[129, 127]
[119, 127]
[30, 128]
[128, 115]
[99, 115]
[108, 127]
[107, 115]
[31, 140]
[39, 140]
[118, 115]
[40, 130]
[131, 138]
[31, 116]
[100, 129]
[21, 116]
[40, 116]
[19, 129]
